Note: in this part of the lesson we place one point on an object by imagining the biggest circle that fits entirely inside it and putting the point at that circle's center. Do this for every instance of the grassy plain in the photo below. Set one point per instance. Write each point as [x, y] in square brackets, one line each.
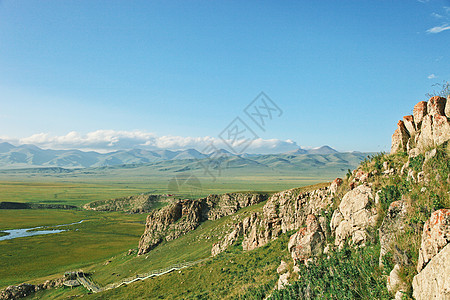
[37, 258]
[105, 235]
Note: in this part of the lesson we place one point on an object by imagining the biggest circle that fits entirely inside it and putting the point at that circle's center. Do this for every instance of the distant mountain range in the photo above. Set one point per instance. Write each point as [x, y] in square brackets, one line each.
[25, 156]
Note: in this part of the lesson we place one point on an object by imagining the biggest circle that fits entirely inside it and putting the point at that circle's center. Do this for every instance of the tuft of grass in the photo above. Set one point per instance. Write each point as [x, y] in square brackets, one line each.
[416, 163]
[346, 274]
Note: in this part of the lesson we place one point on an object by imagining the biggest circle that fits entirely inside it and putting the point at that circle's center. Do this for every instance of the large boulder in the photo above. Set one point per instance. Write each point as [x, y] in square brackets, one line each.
[433, 282]
[441, 129]
[425, 138]
[308, 241]
[419, 112]
[409, 124]
[400, 138]
[354, 216]
[436, 105]
[435, 236]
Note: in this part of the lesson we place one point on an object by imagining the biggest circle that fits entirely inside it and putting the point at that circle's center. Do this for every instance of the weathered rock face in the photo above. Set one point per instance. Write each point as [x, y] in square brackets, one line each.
[217, 206]
[394, 281]
[133, 204]
[435, 236]
[183, 216]
[400, 138]
[433, 282]
[436, 105]
[353, 216]
[284, 211]
[441, 129]
[419, 112]
[428, 126]
[393, 223]
[408, 121]
[308, 241]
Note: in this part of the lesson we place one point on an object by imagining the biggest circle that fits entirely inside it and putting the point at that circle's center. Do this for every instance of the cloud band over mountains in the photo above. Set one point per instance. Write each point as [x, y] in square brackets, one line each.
[111, 140]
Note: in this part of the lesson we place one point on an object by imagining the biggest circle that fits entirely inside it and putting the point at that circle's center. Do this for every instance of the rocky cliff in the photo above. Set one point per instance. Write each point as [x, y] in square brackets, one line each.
[284, 211]
[183, 216]
[429, 126]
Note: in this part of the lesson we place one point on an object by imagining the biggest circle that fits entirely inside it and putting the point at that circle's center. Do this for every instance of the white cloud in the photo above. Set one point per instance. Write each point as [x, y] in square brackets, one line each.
[111, 140]
[431, 76]
[438, 29]
[436, 15]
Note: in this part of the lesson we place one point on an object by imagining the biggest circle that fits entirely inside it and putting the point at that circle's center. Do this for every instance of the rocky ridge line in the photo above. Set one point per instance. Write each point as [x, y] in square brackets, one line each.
[183, 216]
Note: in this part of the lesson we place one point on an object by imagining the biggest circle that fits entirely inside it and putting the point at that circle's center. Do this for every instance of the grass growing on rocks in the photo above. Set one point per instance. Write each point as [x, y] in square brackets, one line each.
[346, 274]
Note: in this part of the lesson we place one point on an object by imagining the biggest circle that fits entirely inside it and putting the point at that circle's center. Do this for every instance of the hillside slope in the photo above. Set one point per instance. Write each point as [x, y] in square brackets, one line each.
[381, 232]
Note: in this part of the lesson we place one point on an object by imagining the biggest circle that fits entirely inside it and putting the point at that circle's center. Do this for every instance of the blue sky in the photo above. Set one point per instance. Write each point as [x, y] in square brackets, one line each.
[76, 74]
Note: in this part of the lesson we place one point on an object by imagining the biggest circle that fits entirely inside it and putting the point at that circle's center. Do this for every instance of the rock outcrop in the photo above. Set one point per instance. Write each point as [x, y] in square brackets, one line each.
[400, 138]
[309, 241]
[433, 282]
[16, 292]
[335, 185]
[284, 211]
[429, 126]
[22, 290]
[435, 236]
[354, 216]
[183, 216]
[133, 204]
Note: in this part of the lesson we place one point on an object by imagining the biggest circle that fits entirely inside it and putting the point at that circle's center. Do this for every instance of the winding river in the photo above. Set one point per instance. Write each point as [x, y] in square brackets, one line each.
[17, 233]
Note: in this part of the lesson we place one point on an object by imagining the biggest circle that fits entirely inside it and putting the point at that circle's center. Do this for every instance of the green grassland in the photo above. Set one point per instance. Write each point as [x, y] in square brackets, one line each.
[264, 173]
[72, 193]
[37, 258]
